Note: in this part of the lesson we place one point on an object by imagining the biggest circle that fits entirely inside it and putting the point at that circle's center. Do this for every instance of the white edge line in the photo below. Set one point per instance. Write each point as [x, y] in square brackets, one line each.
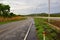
[27, 32]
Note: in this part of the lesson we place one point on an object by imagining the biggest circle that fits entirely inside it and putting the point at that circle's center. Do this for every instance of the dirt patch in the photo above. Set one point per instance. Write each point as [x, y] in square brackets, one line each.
[56, 23]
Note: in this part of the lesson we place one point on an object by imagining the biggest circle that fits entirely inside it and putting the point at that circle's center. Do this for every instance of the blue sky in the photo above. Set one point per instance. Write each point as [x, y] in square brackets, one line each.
[32, 6]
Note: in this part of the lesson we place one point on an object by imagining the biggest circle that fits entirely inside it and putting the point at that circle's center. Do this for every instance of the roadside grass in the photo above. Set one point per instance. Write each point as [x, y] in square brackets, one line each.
[8, 20]
[41, 26]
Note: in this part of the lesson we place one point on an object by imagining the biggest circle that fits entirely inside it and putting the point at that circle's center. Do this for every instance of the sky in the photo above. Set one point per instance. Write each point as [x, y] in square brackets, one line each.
[25, 7]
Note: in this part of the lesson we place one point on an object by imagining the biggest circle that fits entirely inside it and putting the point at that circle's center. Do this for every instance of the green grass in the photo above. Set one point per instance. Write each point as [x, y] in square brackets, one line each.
[11, 21]
[41, 26]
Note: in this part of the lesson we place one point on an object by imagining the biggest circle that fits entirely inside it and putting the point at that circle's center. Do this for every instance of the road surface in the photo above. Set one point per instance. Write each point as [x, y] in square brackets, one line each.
[17, 30]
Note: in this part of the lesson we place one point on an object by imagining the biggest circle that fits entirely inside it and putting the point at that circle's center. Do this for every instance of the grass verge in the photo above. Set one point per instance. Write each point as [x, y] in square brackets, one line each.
[41, 26]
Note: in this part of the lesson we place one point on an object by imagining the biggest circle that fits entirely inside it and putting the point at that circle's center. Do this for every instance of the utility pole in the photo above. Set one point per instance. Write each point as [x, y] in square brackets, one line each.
[48, 10]
[36, 12]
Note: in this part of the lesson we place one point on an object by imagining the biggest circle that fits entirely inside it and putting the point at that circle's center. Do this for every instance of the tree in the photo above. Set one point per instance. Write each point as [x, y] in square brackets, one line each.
[7, 8]
[11, 14]
[4, 10]
[0, 9]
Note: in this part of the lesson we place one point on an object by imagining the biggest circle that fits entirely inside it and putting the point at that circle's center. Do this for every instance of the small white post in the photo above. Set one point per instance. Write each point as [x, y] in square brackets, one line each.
[44, 35]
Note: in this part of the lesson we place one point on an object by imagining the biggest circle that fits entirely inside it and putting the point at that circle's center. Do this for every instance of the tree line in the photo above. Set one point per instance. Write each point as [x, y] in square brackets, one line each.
[5, 11]
[45, 14]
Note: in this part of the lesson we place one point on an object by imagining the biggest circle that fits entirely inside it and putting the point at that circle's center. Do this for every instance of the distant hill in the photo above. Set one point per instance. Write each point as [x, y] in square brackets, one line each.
[45, 14]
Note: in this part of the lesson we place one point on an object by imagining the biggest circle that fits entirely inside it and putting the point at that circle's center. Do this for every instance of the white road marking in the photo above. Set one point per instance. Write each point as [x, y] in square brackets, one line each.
[27, 32]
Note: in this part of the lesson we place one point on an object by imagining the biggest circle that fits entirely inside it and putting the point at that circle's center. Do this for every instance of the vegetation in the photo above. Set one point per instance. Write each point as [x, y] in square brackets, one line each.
[45, 14]
[5, 11]
[41, 26]
[13, 19]
[7, 16]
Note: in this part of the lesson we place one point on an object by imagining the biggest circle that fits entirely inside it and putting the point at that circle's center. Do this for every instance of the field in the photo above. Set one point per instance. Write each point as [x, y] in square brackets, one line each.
[50, 33]
[4, 20]
[56, 23]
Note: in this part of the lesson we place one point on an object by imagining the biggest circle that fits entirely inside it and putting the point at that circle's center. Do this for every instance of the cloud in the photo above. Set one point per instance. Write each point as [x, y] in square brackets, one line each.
[31, 6]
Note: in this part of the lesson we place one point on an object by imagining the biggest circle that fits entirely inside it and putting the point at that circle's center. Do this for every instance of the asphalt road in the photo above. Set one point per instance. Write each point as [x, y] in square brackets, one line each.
[17, 30]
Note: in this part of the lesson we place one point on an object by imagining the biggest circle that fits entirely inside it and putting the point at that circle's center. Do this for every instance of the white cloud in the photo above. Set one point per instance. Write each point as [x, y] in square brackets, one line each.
[29, 6]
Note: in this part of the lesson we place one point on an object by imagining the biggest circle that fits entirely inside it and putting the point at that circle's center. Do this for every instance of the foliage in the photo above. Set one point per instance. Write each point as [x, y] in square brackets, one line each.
[41, 26]
[45, 14]
[10, 19]
[5, 11]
